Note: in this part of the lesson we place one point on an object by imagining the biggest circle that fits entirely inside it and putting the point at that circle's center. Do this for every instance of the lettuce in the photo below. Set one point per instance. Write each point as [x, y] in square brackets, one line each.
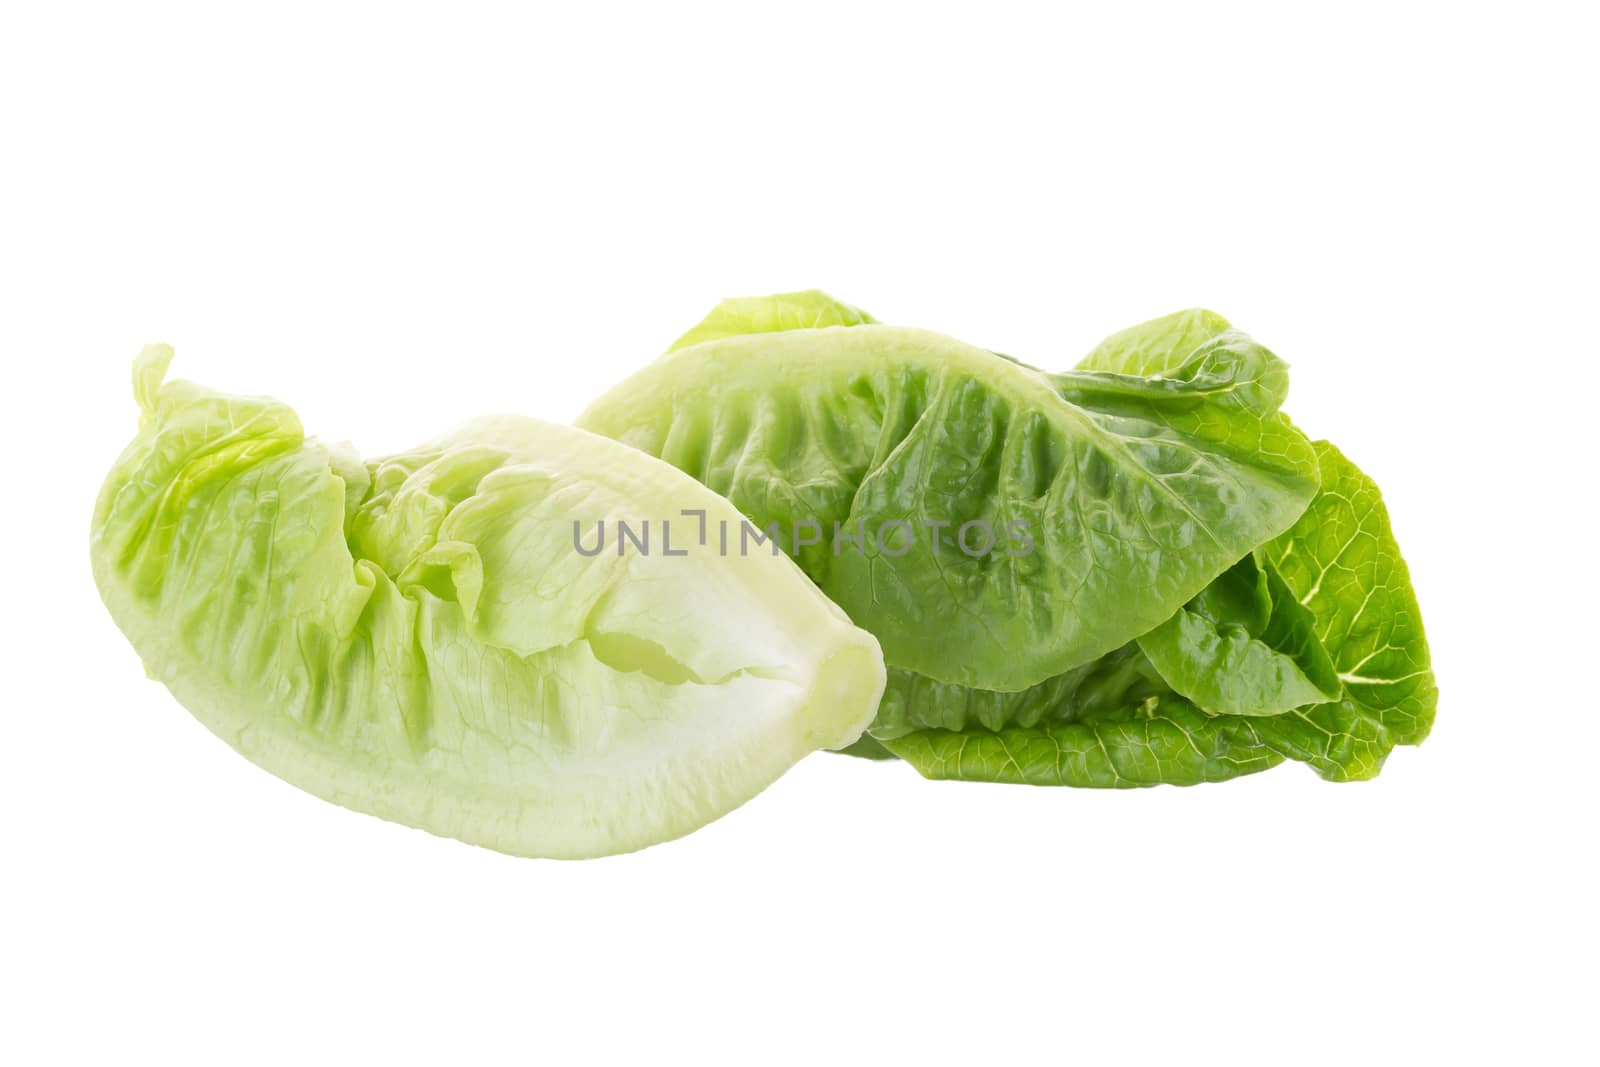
[418, 638]
[1197, 590]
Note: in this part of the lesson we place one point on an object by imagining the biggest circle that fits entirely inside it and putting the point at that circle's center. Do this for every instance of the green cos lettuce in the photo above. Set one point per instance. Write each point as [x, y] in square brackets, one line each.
[1195, 591]
[416, 637]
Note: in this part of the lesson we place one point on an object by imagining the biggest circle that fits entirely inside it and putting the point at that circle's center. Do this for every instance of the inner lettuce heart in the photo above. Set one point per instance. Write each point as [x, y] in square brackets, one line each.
[419, 637]
[1205, 593]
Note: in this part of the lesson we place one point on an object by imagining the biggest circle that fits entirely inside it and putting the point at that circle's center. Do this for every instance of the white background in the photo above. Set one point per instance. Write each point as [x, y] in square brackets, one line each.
[399, 217]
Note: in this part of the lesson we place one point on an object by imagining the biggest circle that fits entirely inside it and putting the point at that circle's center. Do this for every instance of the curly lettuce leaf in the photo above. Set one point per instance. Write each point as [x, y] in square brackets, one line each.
[1341, 561]
[1244, 646]
[1158, 346]
[807, 310]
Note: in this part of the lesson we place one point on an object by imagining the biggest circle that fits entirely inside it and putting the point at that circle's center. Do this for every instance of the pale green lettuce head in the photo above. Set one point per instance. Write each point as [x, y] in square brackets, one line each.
[419, 638]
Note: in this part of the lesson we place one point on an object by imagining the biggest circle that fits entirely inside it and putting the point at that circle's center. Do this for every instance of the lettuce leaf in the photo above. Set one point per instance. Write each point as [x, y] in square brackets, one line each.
[1102, 502]
[1342, 562]
[1244, 646]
